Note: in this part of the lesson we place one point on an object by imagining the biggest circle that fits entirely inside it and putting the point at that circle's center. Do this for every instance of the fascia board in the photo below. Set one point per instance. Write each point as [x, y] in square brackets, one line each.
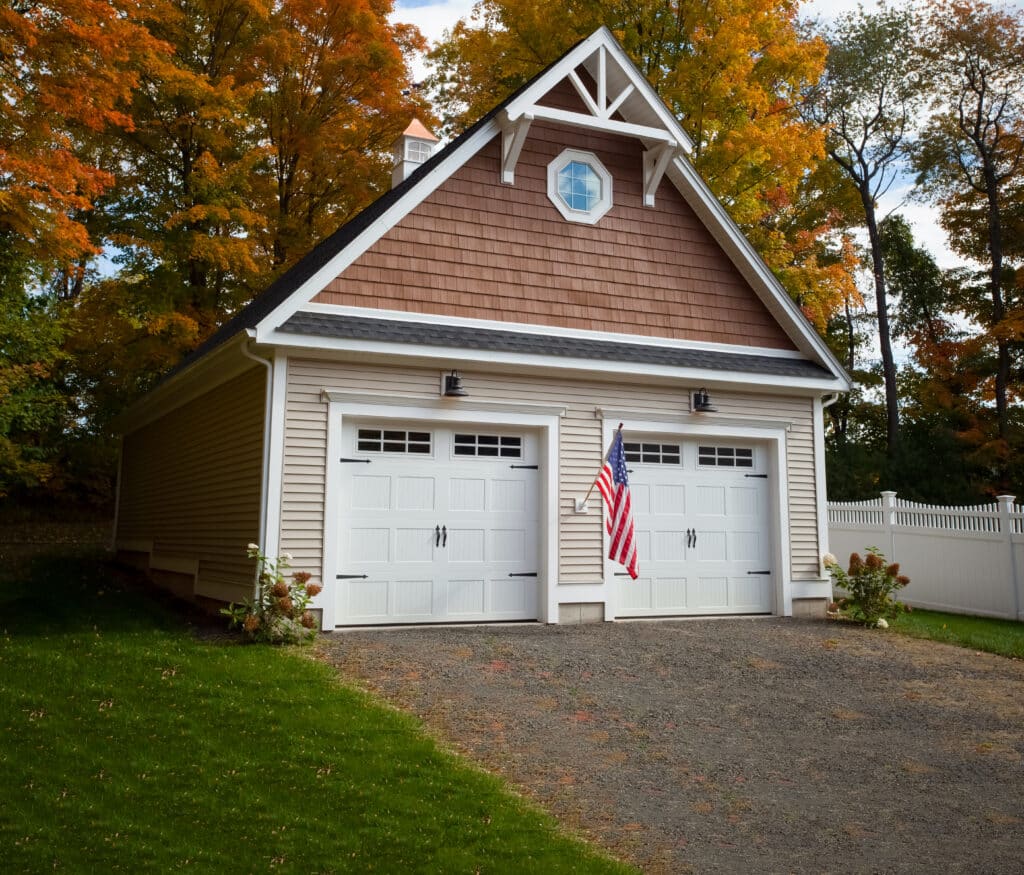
[448, 357]
[221, 365]
[733, 241]
[398, 211]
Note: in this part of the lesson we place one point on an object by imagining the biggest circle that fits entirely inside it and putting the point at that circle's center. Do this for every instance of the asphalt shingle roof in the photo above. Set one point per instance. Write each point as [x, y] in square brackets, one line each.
[489, 339]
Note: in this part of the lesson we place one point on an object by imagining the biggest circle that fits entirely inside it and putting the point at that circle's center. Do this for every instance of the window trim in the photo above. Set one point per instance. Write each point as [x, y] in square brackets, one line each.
[603, 205]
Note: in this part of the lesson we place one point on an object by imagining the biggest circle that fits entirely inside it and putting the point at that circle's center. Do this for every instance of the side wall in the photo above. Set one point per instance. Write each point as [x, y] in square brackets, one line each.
[580, 453]
[190, 491]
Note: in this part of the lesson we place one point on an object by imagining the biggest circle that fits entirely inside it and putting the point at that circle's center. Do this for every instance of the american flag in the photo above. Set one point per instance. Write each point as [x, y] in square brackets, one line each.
[613, 484]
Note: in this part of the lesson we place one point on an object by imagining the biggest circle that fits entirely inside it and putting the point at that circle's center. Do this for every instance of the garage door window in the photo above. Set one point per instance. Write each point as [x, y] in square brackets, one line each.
[379, 440]
[725, 457]
[506, 446]
[653, 454]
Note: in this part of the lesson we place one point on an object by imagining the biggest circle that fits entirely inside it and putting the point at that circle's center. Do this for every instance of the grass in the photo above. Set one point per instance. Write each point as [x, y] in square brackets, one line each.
[1004, 637]
[127, 744]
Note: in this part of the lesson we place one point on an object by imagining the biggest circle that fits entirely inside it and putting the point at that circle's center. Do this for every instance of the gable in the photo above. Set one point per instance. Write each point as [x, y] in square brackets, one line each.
[476, 248]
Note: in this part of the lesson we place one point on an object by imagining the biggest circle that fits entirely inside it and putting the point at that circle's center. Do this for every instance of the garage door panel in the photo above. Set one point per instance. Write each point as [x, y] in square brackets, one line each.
[465, 597]
[414, 545]
[635, 599]
[414, 493]
[669, 499]
[747, 547]
[366, 599]
[711, 547]
[670, 594]
[370, 492]
[711, 594]
[668, 546]
[744, 501]
[370, 545]
[709, 500]
[466, 545]
[512, 597]
[751, 593]
[507, 496]
[640, 496]
[412, 600]
[508, 545]
[467, 494]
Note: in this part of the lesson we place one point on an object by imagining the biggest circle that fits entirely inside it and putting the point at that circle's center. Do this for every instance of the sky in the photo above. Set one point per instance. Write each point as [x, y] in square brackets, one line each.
[433, 17]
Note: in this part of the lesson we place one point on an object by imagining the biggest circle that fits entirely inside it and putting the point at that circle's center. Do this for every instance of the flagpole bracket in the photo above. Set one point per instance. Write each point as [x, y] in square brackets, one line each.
[581, 506]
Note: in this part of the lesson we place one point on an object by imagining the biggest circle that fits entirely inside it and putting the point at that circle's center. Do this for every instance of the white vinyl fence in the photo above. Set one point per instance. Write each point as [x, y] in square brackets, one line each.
[966, 560]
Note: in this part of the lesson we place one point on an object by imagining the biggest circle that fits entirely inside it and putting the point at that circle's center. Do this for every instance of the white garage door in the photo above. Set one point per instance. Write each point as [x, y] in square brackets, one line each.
[437, 525]
[703, 529]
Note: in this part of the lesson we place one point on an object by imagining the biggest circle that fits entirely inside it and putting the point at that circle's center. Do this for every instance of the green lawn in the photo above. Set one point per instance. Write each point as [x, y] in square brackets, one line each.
[1004, 637]
[126, 744]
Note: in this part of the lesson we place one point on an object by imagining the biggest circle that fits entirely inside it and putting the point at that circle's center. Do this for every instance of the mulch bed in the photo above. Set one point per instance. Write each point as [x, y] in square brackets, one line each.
[743, 745]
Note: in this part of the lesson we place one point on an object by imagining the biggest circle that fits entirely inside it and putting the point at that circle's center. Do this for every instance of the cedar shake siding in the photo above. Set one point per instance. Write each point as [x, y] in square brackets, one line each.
[190, 491]
[580, 451]
[477, 248]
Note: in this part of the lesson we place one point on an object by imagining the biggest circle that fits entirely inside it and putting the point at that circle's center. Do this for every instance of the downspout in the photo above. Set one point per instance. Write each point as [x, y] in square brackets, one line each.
[829, 400]
[117, 498]
[265, 478]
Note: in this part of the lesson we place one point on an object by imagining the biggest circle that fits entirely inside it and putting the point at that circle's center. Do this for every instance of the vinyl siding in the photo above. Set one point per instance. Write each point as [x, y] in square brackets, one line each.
[190, 485]
[580, 451]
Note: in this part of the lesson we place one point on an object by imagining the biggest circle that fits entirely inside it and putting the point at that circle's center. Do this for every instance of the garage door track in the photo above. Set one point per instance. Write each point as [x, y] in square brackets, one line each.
[742, 745]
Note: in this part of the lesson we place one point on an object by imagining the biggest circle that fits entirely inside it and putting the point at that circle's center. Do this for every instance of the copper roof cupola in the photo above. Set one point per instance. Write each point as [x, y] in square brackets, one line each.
[410, 150]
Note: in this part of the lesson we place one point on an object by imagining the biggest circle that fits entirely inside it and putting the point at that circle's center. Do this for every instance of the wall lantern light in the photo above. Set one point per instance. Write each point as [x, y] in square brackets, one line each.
[452, 386]
[702, 402]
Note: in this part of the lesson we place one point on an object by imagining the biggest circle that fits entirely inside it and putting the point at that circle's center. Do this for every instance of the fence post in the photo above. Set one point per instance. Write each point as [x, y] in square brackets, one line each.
[1006, 527]
[889, 522]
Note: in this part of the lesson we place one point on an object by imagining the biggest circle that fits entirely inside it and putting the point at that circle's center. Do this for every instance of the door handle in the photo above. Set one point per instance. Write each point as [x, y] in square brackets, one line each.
[689, 537]
[694, 537]
[444, 536]
[437, 534]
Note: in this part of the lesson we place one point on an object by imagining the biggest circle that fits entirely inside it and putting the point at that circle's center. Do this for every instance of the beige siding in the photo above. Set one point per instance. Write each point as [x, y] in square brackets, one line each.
[580, 452]
[190, 485]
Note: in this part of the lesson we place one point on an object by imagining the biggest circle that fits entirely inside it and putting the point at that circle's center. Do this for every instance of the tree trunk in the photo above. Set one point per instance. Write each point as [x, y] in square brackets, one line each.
[892, 415]
[995, 248]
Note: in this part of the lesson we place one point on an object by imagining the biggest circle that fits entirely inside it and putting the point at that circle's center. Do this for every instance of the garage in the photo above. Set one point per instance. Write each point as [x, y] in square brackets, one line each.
[703, 528]
[437, 523]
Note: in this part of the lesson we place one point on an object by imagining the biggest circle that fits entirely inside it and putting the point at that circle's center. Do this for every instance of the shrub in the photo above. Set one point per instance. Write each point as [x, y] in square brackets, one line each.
[278, 614]
[870, 583]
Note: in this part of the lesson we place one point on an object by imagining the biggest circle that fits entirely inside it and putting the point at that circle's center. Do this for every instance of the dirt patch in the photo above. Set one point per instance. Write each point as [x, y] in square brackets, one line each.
[730, 745]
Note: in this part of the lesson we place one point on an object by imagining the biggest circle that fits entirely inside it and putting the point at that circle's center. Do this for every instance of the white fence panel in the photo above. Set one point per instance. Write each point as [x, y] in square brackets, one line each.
[967, 560]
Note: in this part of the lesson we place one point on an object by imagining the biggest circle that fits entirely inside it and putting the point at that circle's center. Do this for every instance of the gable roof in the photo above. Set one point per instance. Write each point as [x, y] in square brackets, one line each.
[637, 110]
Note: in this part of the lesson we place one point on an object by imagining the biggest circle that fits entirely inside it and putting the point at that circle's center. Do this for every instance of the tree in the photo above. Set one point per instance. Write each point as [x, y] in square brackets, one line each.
[732, 72]
[971, 159]
[866, 99]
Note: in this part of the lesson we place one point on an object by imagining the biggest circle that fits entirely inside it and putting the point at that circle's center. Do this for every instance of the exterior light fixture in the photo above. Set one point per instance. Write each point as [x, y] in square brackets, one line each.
[452, 386]
[702, 402]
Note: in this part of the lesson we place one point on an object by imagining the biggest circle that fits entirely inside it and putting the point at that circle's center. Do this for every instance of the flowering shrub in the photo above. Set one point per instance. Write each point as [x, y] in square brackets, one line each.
[871, 584]
[279, 613]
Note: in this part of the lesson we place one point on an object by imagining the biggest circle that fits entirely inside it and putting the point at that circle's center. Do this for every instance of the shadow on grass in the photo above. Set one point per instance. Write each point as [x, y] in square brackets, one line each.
[71, 590]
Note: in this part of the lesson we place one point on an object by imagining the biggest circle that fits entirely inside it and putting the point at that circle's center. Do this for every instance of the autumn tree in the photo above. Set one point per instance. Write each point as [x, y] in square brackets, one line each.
[732, 72]
[333, 96]
[971, 160]
[867, 100]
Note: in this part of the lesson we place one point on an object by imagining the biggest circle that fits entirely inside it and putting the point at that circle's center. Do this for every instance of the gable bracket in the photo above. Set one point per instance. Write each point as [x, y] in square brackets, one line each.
[656, 162]
[513, 135]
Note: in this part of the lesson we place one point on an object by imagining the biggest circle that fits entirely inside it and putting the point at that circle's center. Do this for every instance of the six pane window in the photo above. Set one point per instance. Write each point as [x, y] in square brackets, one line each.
[725, 457]
[656, 454]
[506, 446]
[379, 440]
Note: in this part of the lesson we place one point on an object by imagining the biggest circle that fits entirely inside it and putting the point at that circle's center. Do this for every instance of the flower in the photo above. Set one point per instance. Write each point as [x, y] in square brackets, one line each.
[287, 557]
[253, 548]
[301, 577]
[903, 580]
[251, 623]
[829, 559]
[285, 606]
[308, 620]
[313, 589]
[280, 589]
[882, 624]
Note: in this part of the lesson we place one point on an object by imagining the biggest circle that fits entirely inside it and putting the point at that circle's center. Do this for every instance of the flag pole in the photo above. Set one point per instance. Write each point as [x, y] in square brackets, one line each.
[581, 503]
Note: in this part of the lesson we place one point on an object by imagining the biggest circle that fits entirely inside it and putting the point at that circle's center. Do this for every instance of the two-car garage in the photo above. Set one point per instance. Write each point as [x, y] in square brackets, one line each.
[443, 523]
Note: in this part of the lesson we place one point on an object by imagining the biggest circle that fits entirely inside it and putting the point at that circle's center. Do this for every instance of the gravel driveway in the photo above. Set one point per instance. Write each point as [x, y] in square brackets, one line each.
[764, 745]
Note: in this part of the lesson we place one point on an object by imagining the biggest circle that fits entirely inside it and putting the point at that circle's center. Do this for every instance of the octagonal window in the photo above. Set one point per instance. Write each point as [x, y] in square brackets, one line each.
[579, 186]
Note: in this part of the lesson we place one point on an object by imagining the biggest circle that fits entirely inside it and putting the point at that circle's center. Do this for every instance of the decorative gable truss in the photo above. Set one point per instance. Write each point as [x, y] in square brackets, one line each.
[619, 90]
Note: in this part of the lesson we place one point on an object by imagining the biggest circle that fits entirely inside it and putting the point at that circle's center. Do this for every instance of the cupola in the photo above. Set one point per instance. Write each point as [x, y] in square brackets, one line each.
[412, 149]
